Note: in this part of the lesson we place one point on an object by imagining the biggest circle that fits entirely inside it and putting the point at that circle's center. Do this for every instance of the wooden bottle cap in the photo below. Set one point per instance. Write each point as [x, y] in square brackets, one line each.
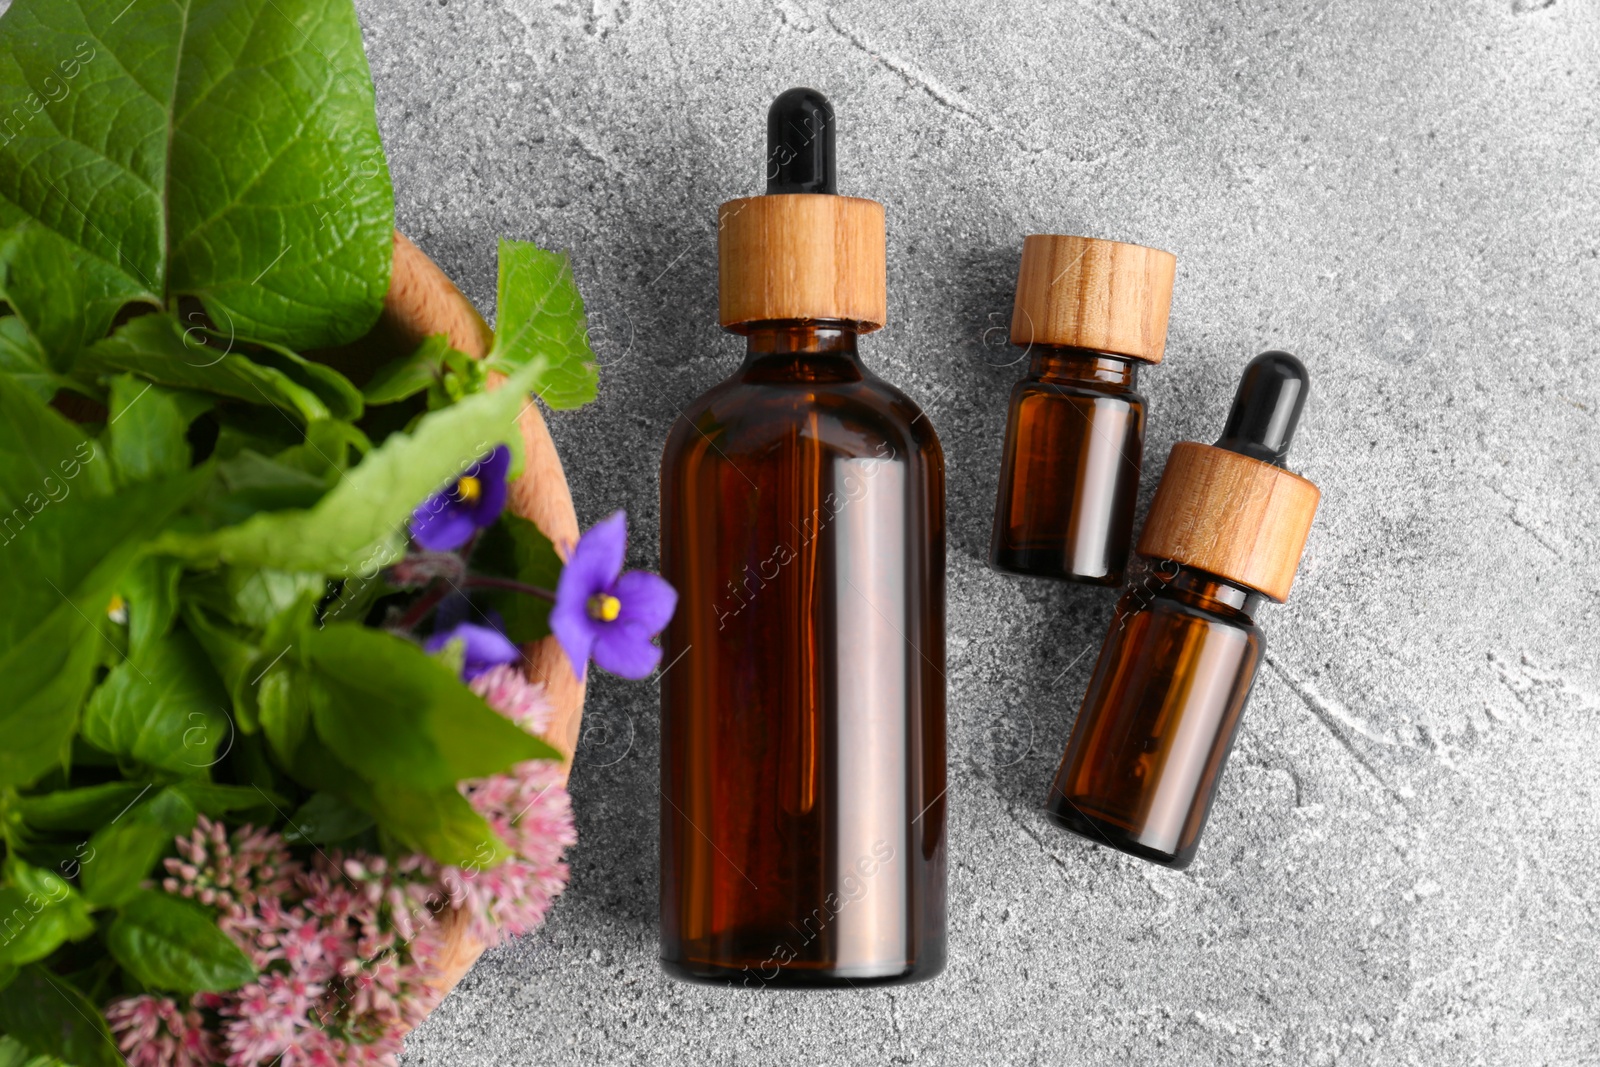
[1232, 516]
[1104, 295]
[801, 256]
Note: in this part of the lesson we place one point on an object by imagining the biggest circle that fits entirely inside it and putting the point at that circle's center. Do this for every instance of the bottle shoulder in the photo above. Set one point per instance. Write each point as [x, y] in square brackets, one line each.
[1077, 389]
[853, 417]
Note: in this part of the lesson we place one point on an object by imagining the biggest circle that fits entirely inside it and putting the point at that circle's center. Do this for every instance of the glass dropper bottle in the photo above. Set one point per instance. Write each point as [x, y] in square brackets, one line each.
[1225, 531]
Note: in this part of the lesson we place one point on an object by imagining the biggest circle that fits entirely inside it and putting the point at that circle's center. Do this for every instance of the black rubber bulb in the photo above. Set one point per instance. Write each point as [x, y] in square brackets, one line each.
[1266, 408]
[800, 143]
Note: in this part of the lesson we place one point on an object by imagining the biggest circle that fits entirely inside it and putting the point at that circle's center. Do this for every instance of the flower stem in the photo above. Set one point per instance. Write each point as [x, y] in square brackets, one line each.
[484, 581]
[424, 604]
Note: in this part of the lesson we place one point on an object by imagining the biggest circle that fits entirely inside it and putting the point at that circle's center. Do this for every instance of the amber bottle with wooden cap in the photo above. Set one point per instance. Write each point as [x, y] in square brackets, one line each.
[803, 701]
[1088, 312]
[1226, 529]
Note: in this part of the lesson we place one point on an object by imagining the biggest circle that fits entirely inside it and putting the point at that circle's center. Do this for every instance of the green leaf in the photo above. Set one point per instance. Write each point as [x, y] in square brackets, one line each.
[230, 649]
[123, 852]
[335, 391]
[157, 347]
[360, 525]
[168, 943]
[249, 483]
[329, 448]
[410, 374]
[165, 711]
[87, 808]
[326, 819]
[71, 542]
[540, 314]
[151, 590]
[14, 1053]
[52, 1018]
[148, 427]
[39, 282]
[396, 715]
[44, 459]
[514, 548]
[283, 707]
[39, 911]
[24, 361]
[47, 674]
[218, 800]
[251, 596]
[440, 823]
[203, 148]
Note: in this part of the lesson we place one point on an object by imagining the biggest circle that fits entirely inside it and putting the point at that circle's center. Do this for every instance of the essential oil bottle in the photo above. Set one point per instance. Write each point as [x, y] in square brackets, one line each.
[802, 522]
[1226, 529]
[1088, 313]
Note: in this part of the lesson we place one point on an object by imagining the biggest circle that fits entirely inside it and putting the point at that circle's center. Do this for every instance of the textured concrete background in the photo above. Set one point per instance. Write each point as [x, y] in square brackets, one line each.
[1399, 866]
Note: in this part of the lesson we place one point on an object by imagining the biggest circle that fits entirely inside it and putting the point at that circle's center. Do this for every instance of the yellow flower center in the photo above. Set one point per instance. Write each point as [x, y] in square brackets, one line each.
[469, 489]
[605, 607]
[118, 608]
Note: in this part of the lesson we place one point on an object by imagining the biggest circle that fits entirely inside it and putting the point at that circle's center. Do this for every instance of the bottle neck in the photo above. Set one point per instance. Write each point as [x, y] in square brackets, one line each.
[1207, 592]
[1067, 363]
[812, 350]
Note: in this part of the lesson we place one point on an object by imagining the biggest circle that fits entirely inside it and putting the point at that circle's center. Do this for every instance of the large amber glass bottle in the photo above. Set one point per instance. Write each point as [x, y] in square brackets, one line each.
[803, 702]
[1225, 531]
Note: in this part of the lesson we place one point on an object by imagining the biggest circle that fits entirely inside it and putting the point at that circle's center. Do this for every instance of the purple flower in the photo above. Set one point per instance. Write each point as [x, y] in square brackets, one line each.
[448, 519]
[484, 648]
[602, 612]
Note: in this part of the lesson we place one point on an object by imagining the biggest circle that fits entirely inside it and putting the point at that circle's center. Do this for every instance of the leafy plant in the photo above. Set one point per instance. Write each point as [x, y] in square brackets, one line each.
[218, 547]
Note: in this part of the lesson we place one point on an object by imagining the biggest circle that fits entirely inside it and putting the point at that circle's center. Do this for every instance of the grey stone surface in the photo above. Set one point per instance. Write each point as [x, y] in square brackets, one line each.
[1398, 869]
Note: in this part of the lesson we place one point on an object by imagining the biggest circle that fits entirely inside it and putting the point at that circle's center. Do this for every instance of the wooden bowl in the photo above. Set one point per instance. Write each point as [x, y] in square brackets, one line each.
[421, 301]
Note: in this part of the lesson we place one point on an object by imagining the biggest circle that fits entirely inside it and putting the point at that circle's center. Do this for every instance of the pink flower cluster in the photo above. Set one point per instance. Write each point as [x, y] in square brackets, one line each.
[344, 943]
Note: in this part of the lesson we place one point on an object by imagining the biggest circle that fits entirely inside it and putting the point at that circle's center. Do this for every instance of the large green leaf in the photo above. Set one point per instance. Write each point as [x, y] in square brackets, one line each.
[46, 676]
[14, 1053]
[167, 710]
[25, 361]
[52, 1018]
[148, 427]
[397, 715]
[151, 591]
[40, 282]
[157, 347]
[540, 315]
[360, 525]
[67, 548]
[223, 149]
[168, 943]
[38, 911]
[43, 460]
[123, 851]
[440, 823]
[88, 808]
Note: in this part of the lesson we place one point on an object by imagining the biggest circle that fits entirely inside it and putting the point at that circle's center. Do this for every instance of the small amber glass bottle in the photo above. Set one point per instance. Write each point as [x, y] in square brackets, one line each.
[1226, 529]
[803, 705]
[1088, 312]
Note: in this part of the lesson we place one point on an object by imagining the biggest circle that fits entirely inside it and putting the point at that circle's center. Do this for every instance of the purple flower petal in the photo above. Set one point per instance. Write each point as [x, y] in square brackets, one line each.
[647, 600]
[491, 473]
[576, 633]
[445, 522]
[438, 525]
[484, 648]
[624, 649]
[596, 561]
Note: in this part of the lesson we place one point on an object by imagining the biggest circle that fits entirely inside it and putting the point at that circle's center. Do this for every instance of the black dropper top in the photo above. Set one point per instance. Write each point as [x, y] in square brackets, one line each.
[1267, 407]
[800, 143]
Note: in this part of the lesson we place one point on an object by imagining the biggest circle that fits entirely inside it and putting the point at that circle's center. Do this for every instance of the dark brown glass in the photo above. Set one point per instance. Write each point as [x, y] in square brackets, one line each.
[803, 706]
[1069, 476]
[1160, 715]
